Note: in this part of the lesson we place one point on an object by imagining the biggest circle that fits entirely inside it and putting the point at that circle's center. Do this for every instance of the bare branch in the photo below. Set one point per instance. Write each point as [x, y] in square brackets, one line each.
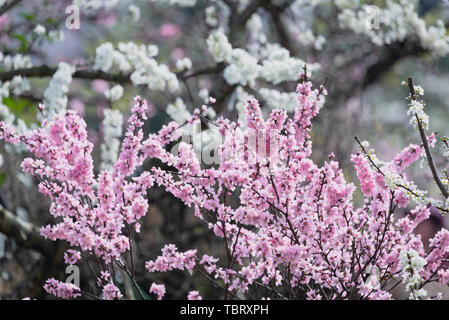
[284, 36]
[8, 6]
[207, 70]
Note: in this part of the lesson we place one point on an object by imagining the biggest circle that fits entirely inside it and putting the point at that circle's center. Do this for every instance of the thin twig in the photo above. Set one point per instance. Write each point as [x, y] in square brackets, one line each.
[422, 133]
[8, 6]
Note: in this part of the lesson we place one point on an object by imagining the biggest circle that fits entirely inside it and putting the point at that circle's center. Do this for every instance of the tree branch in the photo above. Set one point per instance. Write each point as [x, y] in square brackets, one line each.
[252, 7]
[24, 233]
[46, 71]
[387, 58]
[422, 133]
[207, 70]
[8, 6]
[283, 33]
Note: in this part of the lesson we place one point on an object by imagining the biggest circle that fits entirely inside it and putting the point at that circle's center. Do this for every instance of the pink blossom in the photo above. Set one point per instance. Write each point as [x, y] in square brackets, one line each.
[4, 21]
[364, 173]
[99, 85]
[194, 295]
[111, 292]
[292, 215]
[72, 256]
[168, 30]
[107, 19]
[78, 106]
[61, 289]
[158, 289]
[177, 54]
[443, 276]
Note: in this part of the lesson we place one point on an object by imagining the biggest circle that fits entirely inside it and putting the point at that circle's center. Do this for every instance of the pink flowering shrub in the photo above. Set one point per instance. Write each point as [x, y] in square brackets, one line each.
[96, 213]
[289, 226]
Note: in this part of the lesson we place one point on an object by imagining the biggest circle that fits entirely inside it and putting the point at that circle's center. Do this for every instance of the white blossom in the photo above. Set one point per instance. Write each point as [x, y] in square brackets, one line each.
[393, 23]
[112, 131]
[242, 69]
[204, 95]
[416, 109]
[183, 64]
[279, 66]
[39, 30]
[17, 61]
[219, 46]
[287, 101]
[412, 264]
[56, 93]
[255, 28]
[178, 111]
[104, 57]
[19, 85]
[56, 35]
[134, 12]
[115, 93]
[211, 16]
[139, 60]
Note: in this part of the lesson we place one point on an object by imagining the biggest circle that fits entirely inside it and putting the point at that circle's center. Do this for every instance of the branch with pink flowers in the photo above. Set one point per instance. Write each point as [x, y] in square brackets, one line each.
[294, 234]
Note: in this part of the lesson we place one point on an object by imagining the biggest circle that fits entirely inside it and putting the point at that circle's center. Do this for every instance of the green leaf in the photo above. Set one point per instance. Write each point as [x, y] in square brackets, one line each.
[23, 108]
[51, 21]
[15, 105]
[23, 40]
[137, 295]
[136, 292]
[2, 177]
[28, 16]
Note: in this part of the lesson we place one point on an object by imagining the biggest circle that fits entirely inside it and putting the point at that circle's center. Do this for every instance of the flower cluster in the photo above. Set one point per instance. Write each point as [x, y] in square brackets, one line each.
[139, 61]
[412, 265]
[395, 22]
[296, 232]
[243, 68]
[61, 289]
[112, 132]
[289, 226]
[115, 93]
[93, 210]
[56, 93]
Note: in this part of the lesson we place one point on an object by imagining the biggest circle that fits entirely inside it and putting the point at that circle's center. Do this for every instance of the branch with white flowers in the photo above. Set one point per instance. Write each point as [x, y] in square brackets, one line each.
[422, 133]
[47, 71]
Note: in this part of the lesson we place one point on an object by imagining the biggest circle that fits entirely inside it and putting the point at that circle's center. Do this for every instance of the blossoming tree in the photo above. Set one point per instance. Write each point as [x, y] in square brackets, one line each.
[289, 227]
